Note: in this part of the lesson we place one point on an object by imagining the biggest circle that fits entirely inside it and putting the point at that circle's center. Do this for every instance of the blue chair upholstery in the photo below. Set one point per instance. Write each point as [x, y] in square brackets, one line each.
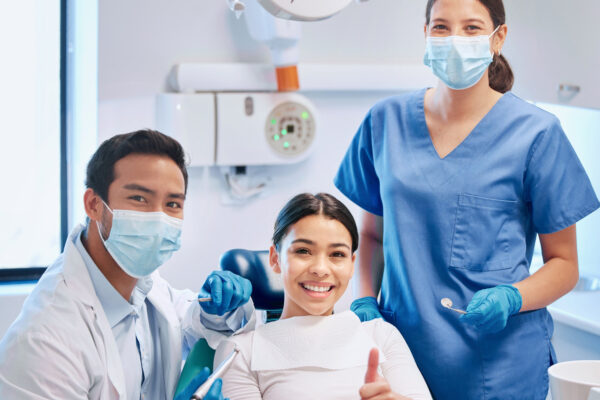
[267, 288]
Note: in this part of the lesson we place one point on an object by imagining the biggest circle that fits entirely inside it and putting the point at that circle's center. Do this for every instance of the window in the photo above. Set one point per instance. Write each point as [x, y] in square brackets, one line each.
[30, 154]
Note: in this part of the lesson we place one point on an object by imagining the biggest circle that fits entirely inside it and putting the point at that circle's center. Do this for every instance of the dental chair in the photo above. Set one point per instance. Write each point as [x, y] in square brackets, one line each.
[267, 295]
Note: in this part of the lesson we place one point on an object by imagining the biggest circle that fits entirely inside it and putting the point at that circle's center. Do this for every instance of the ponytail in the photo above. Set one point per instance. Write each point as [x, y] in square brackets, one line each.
[500, 74]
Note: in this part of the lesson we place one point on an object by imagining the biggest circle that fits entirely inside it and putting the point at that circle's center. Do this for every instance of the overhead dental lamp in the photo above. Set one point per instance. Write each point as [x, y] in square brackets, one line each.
[276, 23]
[304, 10]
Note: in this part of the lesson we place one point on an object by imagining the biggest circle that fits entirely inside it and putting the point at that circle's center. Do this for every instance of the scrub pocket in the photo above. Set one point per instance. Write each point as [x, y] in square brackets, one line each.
[483, 232]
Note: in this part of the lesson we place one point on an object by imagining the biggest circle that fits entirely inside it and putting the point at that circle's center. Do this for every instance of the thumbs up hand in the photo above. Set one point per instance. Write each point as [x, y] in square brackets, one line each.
[376, 387]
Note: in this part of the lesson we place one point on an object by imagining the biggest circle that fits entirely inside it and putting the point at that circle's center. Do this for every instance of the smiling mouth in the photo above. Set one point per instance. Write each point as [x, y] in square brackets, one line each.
[318, 289]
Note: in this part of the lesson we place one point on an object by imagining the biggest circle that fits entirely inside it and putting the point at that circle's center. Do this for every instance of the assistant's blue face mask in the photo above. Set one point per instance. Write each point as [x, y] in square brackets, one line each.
[459, 61]
[140, 242]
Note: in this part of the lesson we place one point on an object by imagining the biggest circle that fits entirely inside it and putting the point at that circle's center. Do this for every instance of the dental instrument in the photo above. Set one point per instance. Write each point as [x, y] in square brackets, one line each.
[446, 302]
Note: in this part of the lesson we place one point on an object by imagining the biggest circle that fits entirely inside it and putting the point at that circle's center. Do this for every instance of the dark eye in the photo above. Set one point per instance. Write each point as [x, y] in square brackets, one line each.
[339, 254]
[302, 250]
[473, 28]
[174, 204]
[137, 197]
[439, 27]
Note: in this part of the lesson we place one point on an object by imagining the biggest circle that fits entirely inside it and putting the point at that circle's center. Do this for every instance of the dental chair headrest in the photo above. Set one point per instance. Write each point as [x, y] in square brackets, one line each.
[267, 288]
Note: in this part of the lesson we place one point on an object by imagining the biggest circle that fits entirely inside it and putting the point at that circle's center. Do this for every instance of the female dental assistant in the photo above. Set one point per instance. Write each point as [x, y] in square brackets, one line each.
[457, 180]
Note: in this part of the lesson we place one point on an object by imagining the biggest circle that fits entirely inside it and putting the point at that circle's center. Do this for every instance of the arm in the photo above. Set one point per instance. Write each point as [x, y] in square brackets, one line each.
[239, 382]
[558, 275]
[40, 366]
[370, 257]
[400, 368]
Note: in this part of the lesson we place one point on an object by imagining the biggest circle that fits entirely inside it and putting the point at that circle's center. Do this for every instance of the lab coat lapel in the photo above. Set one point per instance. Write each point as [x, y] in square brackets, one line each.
[78, 279]
[169, 329]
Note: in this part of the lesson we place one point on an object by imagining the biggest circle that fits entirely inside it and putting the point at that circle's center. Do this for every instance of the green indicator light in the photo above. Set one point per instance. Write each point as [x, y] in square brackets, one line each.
[286, 144]
[304, 115]
[284, 132]
[276, 137]
[273, 121]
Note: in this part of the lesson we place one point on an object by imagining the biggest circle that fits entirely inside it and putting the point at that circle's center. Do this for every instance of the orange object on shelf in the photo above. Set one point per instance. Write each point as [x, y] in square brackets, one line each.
[287, 78]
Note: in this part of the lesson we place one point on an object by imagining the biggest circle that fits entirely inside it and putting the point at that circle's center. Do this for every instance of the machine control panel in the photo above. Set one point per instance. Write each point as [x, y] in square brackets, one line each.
[290, 129]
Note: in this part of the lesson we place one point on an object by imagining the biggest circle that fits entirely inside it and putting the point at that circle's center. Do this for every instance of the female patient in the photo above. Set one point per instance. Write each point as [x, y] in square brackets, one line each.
[311, 353]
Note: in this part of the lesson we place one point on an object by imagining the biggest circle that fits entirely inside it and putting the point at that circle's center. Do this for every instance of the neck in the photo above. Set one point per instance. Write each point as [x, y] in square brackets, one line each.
[123, 283]
[449, 104]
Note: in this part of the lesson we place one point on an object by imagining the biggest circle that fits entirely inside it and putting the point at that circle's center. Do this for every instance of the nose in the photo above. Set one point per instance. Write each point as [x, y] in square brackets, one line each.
[319, 267]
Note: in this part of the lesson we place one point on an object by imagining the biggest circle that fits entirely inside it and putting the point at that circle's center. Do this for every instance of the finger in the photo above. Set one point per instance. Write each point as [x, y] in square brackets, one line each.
[373, 363]
[237, 294]
[369, 390]
[216, 290]
[247, 285]
[214, 393]
[194, 384]
[227, 294]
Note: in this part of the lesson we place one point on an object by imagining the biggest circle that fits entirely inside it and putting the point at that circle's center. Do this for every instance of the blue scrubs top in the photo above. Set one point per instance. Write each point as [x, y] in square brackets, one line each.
[466, 222]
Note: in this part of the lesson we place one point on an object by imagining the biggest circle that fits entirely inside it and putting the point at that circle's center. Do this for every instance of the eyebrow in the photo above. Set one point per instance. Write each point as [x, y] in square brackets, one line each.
[140, 188]
[307, 241]
[463, 21]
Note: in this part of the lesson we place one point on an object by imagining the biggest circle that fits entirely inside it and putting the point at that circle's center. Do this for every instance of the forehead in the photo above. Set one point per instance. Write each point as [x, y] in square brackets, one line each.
[153, 171]
[459, 10]
[319, 228]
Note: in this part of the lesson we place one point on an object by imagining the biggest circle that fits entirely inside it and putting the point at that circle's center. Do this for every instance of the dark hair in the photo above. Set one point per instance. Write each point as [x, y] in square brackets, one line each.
[305, 204]
[499, 72]
[100, 169]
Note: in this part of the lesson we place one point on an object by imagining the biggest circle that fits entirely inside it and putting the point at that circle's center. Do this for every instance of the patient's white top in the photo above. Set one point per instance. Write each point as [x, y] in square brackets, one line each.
[316, 357]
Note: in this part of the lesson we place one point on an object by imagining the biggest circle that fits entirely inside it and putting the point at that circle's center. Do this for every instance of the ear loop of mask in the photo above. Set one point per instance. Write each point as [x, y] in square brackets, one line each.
[98, 226]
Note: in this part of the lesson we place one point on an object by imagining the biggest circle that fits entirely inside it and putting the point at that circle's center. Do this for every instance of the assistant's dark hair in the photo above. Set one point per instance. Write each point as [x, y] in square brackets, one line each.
[101, 171]
[305, 204]
[499, 72]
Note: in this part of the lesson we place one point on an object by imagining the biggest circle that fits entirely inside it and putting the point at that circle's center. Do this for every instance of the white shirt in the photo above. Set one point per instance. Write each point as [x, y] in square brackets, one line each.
[134, 331]
[310, 360]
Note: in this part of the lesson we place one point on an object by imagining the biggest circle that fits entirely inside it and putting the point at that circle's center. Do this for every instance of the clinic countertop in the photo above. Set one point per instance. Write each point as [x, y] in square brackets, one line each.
[578, 309]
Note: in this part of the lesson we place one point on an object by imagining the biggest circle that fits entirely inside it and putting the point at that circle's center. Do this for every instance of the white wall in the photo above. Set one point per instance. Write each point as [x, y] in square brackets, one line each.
[134, 64]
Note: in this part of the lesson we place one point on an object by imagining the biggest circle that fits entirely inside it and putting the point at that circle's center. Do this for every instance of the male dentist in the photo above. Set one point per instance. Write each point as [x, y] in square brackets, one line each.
[101, 322]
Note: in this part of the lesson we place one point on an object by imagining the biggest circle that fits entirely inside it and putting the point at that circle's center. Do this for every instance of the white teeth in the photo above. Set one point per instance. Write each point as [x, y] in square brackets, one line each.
[317, 288]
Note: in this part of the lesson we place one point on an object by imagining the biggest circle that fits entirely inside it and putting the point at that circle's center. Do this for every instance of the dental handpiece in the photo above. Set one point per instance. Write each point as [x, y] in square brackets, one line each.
[218, 372]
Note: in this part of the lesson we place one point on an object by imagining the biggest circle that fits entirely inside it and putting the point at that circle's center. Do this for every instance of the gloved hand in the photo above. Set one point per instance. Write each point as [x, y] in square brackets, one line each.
[489, 309]
[228, 292]
[214, 393]
[366, 308]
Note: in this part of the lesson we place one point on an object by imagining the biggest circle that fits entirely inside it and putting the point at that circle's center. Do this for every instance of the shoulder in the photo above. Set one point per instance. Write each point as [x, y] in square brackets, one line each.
[397, 104]
[522, 109]
[242, 342]
[383, 332]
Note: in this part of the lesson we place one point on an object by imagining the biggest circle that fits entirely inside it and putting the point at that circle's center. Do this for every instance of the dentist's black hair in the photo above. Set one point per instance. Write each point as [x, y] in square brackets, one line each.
[499, 72]
[305, 204]
[101, 168]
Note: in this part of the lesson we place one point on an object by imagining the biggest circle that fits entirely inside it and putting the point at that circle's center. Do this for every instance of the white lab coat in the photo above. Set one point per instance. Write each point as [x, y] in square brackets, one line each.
[62, 347]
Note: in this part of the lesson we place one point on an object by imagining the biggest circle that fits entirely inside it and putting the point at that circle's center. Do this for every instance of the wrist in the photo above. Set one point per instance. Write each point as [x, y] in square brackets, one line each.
[515, 300]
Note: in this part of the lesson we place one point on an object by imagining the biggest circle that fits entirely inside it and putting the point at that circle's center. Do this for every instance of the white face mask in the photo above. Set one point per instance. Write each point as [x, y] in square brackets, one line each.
[459, 61]
[140, 242]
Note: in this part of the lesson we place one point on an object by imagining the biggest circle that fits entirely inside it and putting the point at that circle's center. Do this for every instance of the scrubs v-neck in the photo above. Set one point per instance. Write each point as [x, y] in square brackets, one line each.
[466, 222]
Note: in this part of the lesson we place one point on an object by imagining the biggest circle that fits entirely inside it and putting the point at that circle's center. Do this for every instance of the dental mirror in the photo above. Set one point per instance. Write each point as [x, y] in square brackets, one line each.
[446, 302]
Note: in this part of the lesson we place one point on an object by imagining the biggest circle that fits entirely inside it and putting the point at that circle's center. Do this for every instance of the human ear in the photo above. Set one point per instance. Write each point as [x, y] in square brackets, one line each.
[499, 39]
[93, 205]
[274, 259]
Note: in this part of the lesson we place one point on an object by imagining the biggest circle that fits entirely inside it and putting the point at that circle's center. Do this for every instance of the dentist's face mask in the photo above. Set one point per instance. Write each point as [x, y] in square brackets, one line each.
[140, 242]
[459, 61]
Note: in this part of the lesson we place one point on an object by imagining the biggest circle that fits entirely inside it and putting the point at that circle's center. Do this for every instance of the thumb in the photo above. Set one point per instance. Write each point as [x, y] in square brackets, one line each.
[372, 375]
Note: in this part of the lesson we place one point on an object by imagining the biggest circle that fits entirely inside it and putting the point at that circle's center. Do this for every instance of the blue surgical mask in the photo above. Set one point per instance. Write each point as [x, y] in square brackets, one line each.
[140, 242]
[459, 61]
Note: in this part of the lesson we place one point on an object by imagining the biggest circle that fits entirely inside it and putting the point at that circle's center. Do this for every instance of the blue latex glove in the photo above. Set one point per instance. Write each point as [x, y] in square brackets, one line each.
[489, 309]
[366, 308]
[214, 393]
[228, 292]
